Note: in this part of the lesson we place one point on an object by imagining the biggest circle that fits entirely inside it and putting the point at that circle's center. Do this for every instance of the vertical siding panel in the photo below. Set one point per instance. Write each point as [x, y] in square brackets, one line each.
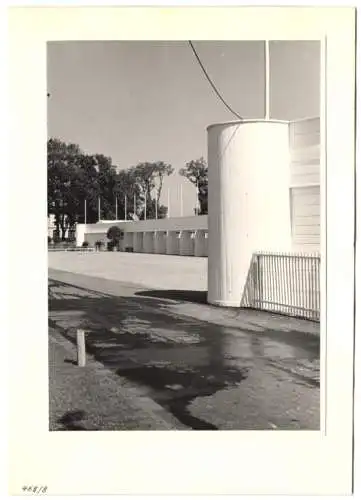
[306, 218]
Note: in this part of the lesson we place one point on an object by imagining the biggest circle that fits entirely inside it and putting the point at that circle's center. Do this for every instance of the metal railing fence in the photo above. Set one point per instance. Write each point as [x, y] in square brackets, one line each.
[284, 283]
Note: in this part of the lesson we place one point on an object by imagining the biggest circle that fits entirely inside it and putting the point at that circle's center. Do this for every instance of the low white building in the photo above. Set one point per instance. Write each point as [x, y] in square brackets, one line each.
[173, 236]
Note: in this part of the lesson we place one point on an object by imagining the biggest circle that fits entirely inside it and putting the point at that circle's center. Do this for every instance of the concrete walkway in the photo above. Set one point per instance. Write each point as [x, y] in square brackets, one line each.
[153, 271]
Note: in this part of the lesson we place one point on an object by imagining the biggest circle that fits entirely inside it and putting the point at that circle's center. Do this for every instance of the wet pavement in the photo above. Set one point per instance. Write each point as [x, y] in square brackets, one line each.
[254, 371]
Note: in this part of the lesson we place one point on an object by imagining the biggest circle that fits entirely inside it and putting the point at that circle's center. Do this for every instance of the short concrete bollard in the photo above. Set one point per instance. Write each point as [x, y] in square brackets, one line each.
[80, 342]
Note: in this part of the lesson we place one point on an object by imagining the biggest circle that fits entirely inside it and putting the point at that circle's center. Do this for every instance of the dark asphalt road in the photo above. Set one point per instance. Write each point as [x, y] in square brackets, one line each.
[151, 367]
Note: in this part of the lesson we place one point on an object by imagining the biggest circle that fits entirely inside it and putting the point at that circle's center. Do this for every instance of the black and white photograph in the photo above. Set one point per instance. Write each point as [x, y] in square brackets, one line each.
[184, 235]
[185, 259]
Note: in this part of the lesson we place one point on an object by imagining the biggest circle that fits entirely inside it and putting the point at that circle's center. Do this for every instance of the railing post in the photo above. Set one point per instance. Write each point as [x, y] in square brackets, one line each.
[252, 288]
[318, 287]
[259, 280]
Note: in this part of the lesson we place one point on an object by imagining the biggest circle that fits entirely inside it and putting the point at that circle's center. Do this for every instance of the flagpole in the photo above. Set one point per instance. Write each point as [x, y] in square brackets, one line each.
[135, 206]
[156, 208]
[181, 199]
[196, 211]
[116, 208]
[84, 211]
[98, 208]
[145, 206]
[125, 207]
[267, 80]
[168, 203]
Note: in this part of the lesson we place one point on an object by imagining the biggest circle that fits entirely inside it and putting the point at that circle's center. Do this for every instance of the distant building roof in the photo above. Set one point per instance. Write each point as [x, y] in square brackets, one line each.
[107, 221]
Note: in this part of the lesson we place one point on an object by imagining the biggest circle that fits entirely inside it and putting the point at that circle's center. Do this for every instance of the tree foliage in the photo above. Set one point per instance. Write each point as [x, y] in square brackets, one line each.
[196, 171]
[75, 177]
[149, 177]
[114, 233]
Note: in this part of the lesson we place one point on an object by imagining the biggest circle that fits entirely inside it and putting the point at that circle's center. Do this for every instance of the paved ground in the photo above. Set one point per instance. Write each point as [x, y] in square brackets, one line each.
[170, 272]
[162, 359]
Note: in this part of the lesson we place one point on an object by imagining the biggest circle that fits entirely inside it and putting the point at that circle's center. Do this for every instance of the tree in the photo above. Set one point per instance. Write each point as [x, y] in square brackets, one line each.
[196, 171]
[86, 187]
[150, 177]
[62, 201]
[114, 234]
[128, 187]
[106, 183]
[75, 177]
[152, 213]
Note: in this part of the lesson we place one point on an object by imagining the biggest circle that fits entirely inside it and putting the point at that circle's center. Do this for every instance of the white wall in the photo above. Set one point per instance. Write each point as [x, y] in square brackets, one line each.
[305, 203]
[305, 184]
[305, 152]
[187, 243]
[160, 242]
[143, 236]
[171, 223]
[80, 234]
[200, 243]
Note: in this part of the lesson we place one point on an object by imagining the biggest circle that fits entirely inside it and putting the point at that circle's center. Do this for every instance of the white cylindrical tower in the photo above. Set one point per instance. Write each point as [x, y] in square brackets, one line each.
[248, 201]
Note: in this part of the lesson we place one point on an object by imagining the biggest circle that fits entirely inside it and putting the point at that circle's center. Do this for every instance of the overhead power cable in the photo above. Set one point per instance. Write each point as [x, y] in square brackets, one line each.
[211, 83]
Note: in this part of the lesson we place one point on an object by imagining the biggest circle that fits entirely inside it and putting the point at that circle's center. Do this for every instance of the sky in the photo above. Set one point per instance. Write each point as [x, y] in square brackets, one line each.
[143, 101]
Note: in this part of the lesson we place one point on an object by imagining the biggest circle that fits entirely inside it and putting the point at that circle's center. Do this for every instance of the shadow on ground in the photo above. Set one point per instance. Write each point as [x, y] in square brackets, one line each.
[195, 296]
[70, 421]
[172, 359]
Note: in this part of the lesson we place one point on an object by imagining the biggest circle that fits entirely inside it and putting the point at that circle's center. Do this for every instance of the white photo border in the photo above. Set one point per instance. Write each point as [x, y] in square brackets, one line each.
[138, 462]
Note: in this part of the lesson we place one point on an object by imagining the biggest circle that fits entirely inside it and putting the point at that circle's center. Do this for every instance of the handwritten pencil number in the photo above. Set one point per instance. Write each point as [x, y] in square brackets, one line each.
[37, 490]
